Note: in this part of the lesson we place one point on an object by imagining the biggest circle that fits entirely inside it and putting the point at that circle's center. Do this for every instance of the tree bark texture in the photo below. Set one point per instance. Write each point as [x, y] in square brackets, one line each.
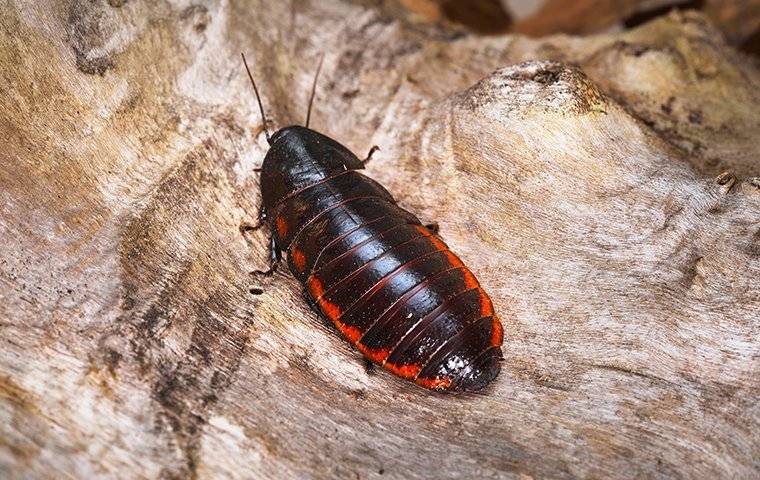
[604, 189]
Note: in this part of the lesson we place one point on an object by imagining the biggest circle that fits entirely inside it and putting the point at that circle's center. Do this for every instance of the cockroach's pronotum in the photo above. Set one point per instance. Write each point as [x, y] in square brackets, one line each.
[388, 283]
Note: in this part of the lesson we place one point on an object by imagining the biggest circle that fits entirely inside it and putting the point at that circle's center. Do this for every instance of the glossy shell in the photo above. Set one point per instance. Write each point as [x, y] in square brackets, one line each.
[389, 285]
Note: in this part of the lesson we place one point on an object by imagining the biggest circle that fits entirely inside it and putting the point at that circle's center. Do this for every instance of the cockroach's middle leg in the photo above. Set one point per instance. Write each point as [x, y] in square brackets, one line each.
[275, 256]
[246, 227]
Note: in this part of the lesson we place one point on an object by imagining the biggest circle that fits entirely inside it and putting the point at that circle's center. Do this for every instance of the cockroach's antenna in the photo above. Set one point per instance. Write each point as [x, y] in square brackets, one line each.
[314, 89]
[258, 99]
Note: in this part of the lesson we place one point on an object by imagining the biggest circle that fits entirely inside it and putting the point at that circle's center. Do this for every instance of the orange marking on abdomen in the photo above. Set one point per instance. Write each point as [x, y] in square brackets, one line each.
[331, 310]
[454, 261]
[423, 230]
[404, 371]
[438, 243]
[486, 307]
[469, 280]
[353, 334]
[497, 333]
[438, 383]
[315, 287]
[282, 226]
[378, 355]
[299, 260]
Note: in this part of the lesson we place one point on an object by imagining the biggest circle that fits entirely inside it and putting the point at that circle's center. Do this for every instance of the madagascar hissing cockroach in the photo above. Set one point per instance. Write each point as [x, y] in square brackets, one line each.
[387, 282]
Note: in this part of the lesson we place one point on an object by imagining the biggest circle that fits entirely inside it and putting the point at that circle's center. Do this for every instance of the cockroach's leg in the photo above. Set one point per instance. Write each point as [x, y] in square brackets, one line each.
[369, 155]
[246, 227]
[275, 256]
[309, 301]
[369, 367]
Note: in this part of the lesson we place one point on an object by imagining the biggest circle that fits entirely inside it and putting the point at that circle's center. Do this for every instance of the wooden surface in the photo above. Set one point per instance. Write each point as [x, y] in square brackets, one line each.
[585, 188]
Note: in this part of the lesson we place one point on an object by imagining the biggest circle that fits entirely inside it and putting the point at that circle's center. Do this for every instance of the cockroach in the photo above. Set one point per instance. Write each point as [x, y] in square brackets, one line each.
[388, 283]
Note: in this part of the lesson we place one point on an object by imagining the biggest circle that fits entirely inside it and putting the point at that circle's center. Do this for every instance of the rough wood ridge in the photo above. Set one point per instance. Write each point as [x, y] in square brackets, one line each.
[604, 190]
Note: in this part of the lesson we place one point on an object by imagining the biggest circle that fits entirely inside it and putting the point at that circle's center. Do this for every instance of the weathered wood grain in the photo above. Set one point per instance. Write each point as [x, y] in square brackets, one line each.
[585, 188]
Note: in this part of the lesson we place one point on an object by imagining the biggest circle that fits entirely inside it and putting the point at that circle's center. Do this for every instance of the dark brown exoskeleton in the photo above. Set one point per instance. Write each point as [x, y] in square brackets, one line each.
[388, 283]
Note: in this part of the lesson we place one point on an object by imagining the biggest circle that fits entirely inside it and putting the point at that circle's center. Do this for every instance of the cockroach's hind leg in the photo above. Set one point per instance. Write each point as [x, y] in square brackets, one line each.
[433, 227]
[309, 301]
[275, 257]
[369, 155]
[369, 367]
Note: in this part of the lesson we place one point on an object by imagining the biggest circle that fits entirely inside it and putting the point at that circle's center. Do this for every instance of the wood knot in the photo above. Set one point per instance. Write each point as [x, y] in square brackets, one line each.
[198, 15]
[536, 86]
[725, 180]
[697, 280]
[89, 33]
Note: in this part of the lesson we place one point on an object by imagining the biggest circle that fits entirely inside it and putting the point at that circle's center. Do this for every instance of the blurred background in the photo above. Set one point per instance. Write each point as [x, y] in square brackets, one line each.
[739, 20]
